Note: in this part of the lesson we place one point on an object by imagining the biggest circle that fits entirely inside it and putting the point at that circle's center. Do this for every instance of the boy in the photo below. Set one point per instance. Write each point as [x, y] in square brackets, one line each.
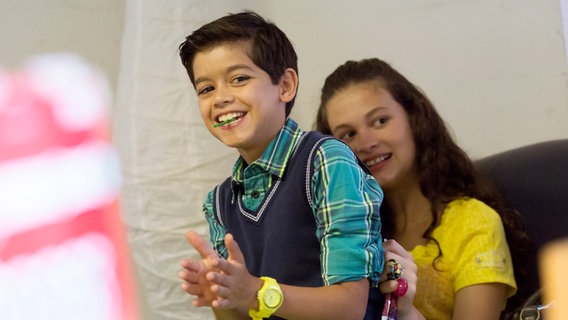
[295, 231]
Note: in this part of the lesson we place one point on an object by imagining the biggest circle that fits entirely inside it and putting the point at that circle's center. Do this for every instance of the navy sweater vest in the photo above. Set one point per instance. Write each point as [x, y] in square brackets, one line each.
[279, 238]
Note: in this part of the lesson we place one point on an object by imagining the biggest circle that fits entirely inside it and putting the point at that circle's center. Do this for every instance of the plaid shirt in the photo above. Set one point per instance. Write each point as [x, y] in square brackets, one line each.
[345, 201]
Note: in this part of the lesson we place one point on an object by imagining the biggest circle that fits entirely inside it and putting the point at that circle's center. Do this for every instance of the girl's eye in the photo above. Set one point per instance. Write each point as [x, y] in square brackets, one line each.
[346, 136]
[380, 121]
[240, 79]
[204, 90]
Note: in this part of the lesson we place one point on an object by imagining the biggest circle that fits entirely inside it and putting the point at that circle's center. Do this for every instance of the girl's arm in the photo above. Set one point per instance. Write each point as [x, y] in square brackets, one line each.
[480, 301]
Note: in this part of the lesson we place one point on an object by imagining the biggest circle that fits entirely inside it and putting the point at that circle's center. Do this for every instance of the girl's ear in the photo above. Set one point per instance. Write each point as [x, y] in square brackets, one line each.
[288, 85]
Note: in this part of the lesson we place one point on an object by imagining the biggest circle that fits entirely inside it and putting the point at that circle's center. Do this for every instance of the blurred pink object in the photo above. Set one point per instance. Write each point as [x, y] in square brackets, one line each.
[63, 251]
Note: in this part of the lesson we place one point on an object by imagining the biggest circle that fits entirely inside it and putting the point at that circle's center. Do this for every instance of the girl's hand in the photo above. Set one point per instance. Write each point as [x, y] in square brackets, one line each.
[395, 251]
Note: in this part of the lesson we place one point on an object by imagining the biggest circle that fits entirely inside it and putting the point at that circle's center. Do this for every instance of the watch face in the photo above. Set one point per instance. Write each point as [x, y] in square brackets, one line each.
[272, 298]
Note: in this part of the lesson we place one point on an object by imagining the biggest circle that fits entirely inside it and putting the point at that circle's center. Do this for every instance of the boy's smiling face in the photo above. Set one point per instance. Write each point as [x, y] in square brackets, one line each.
[229, 85]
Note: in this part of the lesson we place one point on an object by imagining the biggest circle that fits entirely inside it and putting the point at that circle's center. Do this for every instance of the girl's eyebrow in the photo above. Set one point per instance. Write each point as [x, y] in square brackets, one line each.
[339, 128]
[375, 110]
[229, 69]
[369, 114]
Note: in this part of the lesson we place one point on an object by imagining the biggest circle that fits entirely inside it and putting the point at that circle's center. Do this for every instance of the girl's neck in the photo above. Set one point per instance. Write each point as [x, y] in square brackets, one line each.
[411, 215]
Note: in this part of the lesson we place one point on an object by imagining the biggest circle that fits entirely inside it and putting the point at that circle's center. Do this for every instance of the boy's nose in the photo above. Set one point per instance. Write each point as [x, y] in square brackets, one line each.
[223, 96]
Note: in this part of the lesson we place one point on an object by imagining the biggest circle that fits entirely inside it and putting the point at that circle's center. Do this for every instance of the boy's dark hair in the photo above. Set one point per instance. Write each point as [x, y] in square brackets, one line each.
[270, 49]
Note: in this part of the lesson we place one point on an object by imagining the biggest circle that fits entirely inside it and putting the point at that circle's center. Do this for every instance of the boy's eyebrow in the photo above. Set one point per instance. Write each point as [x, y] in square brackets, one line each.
[229, 69]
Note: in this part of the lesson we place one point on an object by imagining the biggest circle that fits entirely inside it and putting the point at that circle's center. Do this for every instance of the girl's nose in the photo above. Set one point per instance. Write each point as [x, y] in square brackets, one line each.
[367, 143]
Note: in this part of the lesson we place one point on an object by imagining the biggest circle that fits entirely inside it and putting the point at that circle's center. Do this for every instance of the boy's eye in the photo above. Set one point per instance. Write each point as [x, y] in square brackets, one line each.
[240, 79]
[204, 90]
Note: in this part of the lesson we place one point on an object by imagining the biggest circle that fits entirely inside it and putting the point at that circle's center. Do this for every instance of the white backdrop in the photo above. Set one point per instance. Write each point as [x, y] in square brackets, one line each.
[495, 69]
[169, 160]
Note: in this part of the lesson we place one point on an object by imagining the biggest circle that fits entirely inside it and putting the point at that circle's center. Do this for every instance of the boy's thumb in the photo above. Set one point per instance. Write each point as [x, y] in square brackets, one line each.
[234, 250]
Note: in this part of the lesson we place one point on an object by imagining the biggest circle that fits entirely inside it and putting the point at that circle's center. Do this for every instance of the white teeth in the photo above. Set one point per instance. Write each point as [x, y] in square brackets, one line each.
[377, 160]
[230, 115]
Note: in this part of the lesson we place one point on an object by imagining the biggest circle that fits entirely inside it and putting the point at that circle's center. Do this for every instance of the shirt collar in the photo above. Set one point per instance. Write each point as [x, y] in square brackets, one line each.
[274, 159]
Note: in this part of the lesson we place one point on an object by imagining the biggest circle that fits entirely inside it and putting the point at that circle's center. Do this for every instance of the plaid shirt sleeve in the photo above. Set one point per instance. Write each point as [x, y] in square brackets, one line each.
[346, 203]
[216, 230]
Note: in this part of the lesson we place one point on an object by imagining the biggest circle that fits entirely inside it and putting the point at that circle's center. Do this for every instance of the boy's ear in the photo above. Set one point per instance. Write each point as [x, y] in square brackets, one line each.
[288, 85]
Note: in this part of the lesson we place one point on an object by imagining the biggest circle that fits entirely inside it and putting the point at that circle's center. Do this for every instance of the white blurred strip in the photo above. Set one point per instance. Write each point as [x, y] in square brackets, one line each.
[56, 184]
[73, 280]
[78, 93]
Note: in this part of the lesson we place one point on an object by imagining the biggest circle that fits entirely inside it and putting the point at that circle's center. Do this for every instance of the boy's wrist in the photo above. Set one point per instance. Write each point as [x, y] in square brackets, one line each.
[253, 304]
[269, 299]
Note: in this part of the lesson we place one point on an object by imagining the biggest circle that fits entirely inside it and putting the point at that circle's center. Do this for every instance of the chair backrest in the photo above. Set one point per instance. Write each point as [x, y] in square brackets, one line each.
[534, 180]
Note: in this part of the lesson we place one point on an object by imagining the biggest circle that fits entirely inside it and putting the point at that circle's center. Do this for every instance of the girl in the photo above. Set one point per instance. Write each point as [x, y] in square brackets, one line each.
[436, 205]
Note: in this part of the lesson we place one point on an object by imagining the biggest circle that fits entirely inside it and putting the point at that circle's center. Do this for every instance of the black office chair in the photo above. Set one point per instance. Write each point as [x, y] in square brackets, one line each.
[534, 181]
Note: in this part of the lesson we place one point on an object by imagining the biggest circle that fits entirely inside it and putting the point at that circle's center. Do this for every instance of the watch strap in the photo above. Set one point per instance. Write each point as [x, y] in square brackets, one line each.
[270, 289]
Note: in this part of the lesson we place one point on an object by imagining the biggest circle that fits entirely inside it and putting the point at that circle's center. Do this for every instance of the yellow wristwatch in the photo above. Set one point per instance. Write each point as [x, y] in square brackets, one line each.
[270, 298]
